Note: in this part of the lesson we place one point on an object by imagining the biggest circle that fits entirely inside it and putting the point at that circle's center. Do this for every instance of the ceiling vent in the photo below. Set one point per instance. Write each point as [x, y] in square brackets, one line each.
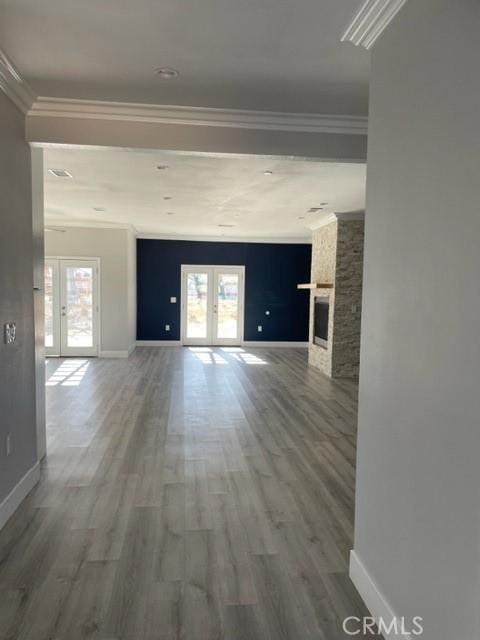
[60, 173]
[167, 73]
[315, 209]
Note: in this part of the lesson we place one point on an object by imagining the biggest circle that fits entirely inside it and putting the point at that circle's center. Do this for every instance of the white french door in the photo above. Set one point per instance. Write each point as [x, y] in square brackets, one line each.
[212, 305]
[71, 307]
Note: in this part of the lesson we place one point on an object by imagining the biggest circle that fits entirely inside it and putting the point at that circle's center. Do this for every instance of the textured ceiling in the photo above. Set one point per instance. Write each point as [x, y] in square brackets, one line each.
[201, 191]
[280, 55]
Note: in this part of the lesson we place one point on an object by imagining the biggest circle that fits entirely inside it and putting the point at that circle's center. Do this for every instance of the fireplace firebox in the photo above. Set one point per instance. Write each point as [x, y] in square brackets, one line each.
[320, 321]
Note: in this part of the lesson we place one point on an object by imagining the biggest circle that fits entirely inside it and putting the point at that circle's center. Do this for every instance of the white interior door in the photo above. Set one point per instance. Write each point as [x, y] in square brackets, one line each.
[71, 307]
[212, 305]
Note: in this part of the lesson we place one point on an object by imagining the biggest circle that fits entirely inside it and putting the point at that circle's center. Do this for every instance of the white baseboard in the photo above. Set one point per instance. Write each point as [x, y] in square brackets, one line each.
[274, 345]
[373, 598]
[159, 343]
[11, 503]
[247, 343]
[113, 354]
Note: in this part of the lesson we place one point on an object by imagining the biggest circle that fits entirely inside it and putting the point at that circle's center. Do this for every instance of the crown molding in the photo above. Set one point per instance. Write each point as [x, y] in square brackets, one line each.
[371, 21]
[52, 224]
[213, 238]
[198, 116]
[14, 86]
[345, 216]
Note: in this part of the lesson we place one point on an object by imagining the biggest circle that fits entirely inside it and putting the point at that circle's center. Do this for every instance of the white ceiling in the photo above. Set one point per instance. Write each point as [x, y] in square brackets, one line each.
[204, 190]
[279, 55]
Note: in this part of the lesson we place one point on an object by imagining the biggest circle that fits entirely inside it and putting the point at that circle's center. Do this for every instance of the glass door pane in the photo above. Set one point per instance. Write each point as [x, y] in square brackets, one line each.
[227, 305]
[197, 305]
[79, 307]
[49, 338]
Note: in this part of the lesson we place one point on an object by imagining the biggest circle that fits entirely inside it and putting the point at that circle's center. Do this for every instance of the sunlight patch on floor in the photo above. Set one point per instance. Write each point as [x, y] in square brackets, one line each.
[69, 374]
[206, 355]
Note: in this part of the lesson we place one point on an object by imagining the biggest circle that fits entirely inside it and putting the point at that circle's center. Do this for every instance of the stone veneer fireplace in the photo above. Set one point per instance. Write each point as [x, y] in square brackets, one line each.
[337, 260]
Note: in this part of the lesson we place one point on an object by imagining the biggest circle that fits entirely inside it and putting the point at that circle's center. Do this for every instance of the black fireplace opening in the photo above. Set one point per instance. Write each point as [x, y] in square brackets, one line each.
[320, 321]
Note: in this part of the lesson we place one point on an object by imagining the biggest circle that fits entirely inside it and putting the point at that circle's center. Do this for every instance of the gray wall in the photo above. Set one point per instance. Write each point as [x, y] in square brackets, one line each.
[418, 499]
[116, 250]
[17, 362]
[177, 137]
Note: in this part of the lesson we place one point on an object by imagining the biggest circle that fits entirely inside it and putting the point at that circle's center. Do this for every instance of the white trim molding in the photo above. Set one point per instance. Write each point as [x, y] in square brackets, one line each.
[159, 343]
[14, 86]
[373, 598]
[19, 492]
[251, 344]
[245, 343]
[233, 238]
[198, 116]
[371, 21]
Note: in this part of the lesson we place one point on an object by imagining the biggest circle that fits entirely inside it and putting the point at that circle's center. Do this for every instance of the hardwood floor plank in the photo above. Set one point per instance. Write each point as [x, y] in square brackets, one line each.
[170, 556]
[188, 494]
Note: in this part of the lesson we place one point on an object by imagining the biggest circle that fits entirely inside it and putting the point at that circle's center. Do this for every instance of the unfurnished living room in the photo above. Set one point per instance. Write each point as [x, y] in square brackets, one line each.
[239, 302]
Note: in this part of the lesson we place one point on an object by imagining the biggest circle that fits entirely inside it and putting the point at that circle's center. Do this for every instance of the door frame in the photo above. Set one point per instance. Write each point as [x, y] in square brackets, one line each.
[241, 319]
[54, 350]
[97, 305]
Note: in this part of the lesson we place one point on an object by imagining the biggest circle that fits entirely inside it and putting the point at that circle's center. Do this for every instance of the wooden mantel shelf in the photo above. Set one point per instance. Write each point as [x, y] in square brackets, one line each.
[315, 285]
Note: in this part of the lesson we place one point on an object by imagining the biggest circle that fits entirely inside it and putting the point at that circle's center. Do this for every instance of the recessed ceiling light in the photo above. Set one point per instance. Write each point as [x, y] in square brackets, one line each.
[167, 73]
[99, 209]
[170, 213]
[167, 197]
[301, 217]
[60, 173]
[162, 167]
[315, 209]
[226, 225]
[267, 173]
[323, 204]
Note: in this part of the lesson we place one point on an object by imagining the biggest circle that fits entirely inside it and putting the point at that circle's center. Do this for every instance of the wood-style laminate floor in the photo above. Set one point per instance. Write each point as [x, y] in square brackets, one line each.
[188, 493]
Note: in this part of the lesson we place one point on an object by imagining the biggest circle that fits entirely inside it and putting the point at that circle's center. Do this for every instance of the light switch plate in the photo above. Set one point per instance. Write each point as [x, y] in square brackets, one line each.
[167, 327]
[9, 332]
[259, 328]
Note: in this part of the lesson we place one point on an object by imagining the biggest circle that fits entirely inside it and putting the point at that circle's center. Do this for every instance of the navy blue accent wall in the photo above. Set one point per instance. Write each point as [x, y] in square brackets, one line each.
[272, 272]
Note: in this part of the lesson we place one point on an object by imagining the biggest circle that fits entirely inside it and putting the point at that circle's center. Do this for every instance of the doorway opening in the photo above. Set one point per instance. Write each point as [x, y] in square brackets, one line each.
[212, 304]
[71, 306]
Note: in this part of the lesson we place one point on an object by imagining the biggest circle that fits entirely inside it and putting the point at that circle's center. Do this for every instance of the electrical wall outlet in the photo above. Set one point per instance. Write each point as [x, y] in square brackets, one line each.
[167, 327]
[259, 328]
[8, 444]
[173, 300]
[9, 332]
